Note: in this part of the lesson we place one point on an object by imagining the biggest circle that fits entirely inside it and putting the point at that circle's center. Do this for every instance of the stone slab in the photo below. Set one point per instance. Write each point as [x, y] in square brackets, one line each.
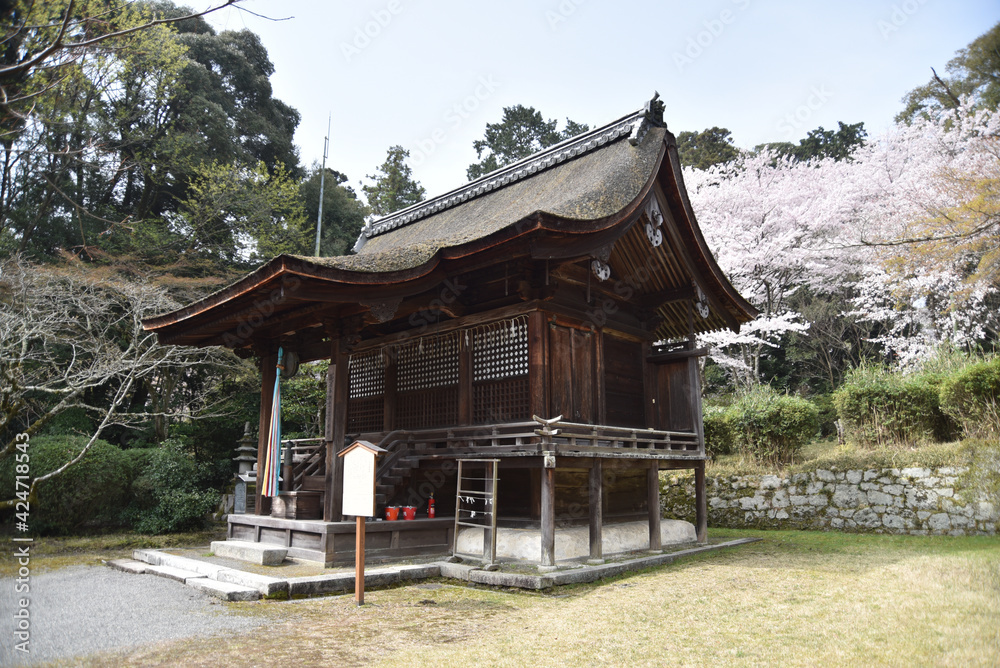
[321, 584]
[172, 573]
[417, 572]
[519, 580]
[254, 553]
[128, 566]
[224, 590]
[159, 558]
[456, 571]
[265, 584]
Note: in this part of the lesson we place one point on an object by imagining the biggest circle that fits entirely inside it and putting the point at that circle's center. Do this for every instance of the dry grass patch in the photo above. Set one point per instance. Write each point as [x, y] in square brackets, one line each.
[796, 598]
[50, 553]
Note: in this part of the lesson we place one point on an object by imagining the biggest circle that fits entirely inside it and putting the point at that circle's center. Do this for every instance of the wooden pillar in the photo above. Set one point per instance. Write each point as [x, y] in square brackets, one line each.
[600, 400]
[649, 388]
[464, 381]
[653, 493]
[694, 389]
[548, 517]
[336, 426]
[268, 371]
[597, 510]
[389, 393]
[538, 337]
[700, 503]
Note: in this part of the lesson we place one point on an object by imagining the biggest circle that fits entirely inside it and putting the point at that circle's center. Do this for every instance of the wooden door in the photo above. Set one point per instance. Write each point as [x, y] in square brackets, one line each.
[571, 373]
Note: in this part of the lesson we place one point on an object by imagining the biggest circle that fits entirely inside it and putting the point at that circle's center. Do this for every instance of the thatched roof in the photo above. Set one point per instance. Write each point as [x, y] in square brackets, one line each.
[597, 183]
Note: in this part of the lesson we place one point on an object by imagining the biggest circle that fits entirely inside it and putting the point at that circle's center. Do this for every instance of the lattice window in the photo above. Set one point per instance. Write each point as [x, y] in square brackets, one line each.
[367, 375]
[367, 392]
[426, 364]
[501, 401]
[500, 351]
[427, 383]
[500, 390]
[424, 410]
[365, 415]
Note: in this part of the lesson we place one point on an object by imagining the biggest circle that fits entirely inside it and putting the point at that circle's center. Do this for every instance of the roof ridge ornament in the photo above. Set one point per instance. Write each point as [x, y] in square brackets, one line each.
[652, 114]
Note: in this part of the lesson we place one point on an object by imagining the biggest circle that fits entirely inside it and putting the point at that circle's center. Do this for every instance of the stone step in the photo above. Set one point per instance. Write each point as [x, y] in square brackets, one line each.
[158, 558]
[173, 573]
[128, 566]
[265, 584]
[224, 590]
[255, 553]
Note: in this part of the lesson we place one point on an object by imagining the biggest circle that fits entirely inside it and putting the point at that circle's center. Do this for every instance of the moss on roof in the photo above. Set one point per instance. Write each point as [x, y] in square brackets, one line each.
[592, 186]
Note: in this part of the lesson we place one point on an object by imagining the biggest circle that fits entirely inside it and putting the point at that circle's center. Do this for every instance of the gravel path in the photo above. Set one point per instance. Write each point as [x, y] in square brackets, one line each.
[80, 610]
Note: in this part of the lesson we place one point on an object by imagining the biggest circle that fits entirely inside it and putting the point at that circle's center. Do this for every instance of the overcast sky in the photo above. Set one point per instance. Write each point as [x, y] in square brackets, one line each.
[429, 75]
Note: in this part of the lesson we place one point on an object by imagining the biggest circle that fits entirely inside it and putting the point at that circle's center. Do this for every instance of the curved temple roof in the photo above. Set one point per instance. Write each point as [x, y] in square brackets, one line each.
[587, 193]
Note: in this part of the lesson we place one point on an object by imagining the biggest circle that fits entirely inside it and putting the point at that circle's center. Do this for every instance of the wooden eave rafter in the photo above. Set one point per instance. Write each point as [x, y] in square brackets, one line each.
[719, 291]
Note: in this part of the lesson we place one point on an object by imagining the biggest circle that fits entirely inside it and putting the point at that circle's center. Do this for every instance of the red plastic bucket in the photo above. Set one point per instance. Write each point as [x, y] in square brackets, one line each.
[392, 513]
[409, 512]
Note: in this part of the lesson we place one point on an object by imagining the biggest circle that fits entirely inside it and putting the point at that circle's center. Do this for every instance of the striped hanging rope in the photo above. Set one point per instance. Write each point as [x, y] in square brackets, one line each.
[272, 459]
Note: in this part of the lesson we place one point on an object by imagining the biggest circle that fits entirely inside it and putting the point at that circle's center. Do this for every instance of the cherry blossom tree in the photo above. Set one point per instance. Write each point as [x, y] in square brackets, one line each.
[908, 228]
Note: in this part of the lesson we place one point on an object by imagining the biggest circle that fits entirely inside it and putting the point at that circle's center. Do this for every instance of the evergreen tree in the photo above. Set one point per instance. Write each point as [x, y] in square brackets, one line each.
[393, 188]
[522, 131]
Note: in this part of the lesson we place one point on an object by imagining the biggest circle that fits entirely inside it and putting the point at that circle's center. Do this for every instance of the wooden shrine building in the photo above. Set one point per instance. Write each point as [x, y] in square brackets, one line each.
[568, 285]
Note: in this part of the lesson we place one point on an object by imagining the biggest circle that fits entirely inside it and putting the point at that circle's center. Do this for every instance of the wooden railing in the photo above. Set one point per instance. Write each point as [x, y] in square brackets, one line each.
[535, 437]
[572, 437]
[511, 439]
[308, 458]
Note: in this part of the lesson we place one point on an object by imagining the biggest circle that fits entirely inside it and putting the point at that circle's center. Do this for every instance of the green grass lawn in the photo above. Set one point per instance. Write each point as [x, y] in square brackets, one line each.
[793, 599]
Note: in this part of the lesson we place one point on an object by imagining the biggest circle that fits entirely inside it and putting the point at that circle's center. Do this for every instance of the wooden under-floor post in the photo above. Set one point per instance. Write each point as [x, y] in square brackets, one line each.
[653, 494]
[700, 502]
[489, 540]
[597, 510]
[548, 517]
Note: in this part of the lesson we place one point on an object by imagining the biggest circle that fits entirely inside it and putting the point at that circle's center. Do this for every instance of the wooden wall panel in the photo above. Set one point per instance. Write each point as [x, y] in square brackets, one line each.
[623, 385]
[675, 399]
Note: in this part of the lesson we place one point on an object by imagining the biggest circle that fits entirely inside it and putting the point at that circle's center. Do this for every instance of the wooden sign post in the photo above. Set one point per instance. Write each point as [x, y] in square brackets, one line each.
[360, 459]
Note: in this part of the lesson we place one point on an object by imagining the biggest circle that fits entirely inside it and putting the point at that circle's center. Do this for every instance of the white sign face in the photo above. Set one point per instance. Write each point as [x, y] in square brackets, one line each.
[359, 483]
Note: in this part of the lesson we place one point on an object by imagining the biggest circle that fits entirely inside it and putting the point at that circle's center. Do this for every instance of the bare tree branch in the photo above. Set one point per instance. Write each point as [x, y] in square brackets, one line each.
[57, 44]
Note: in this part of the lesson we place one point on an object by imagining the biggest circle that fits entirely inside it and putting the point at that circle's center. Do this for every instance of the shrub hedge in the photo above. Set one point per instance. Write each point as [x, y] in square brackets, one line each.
[91, 492]
[879, 408]
[972, 398]
[718, 435]
[152, 490]
[169, 495]
[771, 427]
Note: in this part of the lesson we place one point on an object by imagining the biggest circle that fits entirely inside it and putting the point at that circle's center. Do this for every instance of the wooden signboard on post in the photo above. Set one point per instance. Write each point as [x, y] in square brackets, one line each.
[360, 460]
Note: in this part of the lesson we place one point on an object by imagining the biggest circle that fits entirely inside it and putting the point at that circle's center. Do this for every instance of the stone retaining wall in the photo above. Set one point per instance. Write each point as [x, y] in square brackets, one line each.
[910, 500]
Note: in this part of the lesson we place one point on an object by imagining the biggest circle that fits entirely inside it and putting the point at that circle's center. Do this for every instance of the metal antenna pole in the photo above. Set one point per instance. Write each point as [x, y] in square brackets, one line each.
[322, 178]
